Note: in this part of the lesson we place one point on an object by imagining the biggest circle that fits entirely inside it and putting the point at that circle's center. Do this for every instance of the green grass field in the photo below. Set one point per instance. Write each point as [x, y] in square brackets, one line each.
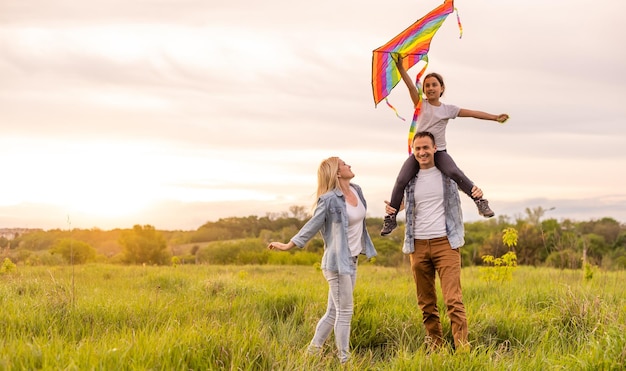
[108, 317]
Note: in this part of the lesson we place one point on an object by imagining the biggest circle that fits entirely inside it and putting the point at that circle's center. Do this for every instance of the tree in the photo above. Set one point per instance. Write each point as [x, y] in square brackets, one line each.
[144, 245]
[389, 252]
[534, 215]
[596, 247]
[483, 238]
[74, 251]
[37, 240]
[608, 228]
[299, 212]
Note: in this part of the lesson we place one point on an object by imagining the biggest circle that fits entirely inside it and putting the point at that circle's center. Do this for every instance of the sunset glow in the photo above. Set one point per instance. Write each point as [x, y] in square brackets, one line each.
[176, 113]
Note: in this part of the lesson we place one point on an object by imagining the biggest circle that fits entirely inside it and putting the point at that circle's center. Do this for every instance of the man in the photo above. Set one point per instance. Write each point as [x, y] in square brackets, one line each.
[434, 233]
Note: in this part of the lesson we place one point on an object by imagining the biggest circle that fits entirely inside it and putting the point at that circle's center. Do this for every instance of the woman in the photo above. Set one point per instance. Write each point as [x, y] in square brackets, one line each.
[340, 216]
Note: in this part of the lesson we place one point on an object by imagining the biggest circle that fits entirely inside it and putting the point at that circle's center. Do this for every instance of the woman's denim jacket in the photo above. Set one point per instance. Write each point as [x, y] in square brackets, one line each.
[454, 217]
[331, 218]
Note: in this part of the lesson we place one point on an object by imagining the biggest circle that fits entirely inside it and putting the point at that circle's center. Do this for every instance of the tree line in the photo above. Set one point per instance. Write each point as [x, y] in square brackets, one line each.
[243, 240]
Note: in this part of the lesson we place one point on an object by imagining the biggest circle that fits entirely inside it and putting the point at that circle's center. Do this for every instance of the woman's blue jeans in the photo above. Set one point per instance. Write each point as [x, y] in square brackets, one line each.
[338, 314]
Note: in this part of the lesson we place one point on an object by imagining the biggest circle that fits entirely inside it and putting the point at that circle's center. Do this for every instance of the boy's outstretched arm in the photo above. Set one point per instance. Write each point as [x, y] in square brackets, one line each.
[415, 95]
[483, 115]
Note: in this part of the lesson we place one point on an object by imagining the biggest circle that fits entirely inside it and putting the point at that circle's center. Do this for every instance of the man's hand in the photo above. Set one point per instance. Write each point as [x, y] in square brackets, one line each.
[477, 192]
[390, 210]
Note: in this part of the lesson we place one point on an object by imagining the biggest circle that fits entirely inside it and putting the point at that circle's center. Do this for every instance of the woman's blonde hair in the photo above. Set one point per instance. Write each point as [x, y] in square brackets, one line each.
[327, 176]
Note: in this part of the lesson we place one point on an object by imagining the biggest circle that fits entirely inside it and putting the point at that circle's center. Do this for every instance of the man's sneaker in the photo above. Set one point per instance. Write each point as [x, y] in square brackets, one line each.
[388, 225]
[483, 208]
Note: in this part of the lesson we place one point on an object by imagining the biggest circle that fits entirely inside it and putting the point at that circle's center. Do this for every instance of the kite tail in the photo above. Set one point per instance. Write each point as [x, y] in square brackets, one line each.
[394, 110]
[413, 127]
[418, 107]
[458, 20]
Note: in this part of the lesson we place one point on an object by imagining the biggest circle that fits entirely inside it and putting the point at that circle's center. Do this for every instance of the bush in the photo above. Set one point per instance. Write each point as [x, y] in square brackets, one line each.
[7, 266]
[244, 251]
[74, 251]
[567, 258]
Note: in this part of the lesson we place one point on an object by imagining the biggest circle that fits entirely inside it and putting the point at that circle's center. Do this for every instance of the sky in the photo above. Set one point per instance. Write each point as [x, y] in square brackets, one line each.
[175, 113]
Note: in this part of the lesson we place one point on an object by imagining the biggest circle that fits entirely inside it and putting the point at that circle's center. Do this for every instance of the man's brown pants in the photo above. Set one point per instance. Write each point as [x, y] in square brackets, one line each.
[436, 255]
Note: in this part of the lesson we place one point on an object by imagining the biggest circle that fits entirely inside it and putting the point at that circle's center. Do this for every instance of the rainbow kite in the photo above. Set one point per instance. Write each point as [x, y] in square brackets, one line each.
[412, 45]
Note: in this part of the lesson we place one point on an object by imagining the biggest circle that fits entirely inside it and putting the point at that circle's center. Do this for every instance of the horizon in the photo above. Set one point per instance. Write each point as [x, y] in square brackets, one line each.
[549, 213]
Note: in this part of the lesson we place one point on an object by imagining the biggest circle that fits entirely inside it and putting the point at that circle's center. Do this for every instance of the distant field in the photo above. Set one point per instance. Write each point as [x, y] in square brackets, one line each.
[109, 317]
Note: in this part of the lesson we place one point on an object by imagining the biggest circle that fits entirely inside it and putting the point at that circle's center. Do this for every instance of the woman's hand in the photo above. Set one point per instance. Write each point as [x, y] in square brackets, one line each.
[280, 246]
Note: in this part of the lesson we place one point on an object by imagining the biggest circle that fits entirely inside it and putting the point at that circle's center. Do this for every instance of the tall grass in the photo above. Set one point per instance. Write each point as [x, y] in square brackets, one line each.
[262, 318]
